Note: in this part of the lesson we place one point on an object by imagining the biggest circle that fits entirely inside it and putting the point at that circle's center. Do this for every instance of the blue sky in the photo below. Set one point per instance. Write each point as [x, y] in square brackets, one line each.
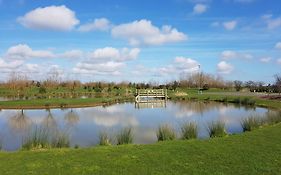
[149, 40]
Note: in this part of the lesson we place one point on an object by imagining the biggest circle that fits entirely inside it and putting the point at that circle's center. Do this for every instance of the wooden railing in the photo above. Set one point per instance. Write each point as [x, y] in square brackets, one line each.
[150, 93]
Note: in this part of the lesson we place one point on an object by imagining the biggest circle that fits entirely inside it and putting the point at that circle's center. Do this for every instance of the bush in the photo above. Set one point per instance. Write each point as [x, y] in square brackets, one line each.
[165, 132]
[216, 129]
[189, 131]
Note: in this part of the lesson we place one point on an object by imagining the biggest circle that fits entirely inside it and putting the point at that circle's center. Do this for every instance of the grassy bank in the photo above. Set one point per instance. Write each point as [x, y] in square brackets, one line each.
[256, 152]
[60, 103]
[224, 96]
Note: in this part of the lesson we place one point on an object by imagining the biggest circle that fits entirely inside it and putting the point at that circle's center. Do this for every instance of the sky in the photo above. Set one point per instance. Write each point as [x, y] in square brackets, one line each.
[140, 41]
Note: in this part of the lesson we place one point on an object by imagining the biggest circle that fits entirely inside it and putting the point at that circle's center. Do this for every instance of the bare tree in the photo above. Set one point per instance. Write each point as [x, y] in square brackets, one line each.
[278, 82]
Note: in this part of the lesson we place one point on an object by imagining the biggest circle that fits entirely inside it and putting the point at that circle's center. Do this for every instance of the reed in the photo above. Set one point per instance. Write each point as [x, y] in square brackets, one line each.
[165, 132]
[104, 139]
[251, 123]
[216, 129]
[189, 131]
[38, 138]
[125, 136]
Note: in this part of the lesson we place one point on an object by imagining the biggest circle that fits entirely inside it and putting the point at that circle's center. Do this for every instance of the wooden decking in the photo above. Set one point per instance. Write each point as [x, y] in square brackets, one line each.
[147, 95]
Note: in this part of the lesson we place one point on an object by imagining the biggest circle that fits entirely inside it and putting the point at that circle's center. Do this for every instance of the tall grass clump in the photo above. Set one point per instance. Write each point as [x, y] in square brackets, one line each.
[165, 132]
[273, 117]
[216, 129]
[251, 123]
[189, 131]
[125, 136]
[104, 139]
[60, 140]
[236, 100]
[38, 138]
[248, 101]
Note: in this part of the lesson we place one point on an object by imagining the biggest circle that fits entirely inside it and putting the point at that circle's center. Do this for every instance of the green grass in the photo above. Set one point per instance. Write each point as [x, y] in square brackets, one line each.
[189, 131]
[216, 129]
[165, 132]
[223, 96]
[256, 152]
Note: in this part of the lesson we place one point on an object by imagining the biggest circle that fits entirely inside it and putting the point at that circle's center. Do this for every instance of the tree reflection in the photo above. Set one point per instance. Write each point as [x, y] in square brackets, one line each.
[49, 122]
[20, 122]
[71, 118]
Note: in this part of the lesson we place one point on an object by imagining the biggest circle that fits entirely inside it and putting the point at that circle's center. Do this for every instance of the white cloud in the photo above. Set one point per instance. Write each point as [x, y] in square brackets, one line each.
[31, 68]
[271, 22]
[72, 54]
[179, 65]
[143, 32]
[265, 59]
[229, 54]
[23, 51]
[107, 68]
[224, 68]
[278, 45]
[106, 61]
[101, 24]
[113, 54]
[50, 18]
[10, 65]
[200, 8]
[278, 61]
[230, 25]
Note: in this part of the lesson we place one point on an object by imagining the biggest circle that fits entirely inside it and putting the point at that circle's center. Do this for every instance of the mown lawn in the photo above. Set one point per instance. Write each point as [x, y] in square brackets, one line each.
[256, 152]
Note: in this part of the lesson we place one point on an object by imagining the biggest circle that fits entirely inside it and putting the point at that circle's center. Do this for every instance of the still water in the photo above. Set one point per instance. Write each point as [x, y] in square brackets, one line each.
[84, 124]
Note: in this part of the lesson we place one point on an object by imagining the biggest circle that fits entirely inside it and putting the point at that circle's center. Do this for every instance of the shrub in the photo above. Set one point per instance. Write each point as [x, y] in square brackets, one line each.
[216, 129]
[165, 132]
[189, 131]
[125, 136]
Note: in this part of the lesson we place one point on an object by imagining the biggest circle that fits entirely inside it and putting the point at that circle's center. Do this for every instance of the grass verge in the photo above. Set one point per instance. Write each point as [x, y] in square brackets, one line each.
[256, 152]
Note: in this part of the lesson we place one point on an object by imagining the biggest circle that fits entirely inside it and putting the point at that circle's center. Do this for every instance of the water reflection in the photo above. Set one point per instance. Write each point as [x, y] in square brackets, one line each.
[71, 118]
[20, 122]
[85, 124]
[152, 104]
[49, 121]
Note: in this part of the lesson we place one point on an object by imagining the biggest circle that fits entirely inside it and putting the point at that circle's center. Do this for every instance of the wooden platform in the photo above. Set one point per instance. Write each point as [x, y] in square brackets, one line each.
[146, 95]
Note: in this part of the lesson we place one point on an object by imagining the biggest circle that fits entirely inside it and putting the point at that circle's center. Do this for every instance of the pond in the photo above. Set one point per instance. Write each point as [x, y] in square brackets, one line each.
[84, 124]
